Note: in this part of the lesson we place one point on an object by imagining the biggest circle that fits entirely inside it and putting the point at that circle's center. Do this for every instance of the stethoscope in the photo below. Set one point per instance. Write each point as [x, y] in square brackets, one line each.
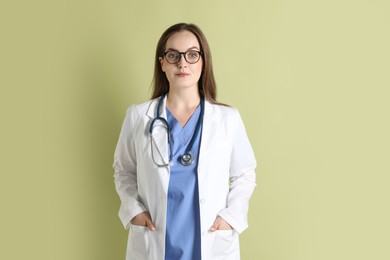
[187, 158]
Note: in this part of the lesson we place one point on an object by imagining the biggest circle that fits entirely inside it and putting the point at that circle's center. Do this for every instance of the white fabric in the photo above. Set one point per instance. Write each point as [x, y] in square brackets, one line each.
[225, 174]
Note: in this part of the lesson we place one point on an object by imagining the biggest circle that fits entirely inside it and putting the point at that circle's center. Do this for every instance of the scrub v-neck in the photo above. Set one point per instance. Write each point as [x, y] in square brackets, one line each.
[183, 217]
[185, 133]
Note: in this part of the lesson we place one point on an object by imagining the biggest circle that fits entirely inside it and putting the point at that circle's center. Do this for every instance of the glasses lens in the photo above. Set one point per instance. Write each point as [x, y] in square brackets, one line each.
[172, 56]
[192, 56]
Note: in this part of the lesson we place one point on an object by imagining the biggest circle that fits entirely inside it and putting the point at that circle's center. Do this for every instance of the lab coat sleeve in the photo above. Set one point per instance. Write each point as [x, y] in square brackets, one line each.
[242, 179]
[125, 166]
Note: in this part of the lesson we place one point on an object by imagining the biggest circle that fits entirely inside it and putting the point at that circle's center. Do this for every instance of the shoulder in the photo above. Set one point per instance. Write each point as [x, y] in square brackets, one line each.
[137, 111]
[224, 111]
[140, 108]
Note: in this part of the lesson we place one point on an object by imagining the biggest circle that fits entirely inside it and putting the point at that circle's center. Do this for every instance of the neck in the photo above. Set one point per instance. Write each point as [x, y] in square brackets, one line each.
[183, 99]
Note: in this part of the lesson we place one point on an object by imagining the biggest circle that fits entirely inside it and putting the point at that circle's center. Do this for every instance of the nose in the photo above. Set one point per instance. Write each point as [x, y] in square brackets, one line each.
[182, 63]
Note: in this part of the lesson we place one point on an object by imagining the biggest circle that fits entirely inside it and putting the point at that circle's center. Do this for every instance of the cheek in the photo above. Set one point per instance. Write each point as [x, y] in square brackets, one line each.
[199, 68]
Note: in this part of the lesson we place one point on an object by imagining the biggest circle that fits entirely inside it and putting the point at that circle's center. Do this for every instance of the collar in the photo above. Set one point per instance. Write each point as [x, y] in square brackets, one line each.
[152, 109]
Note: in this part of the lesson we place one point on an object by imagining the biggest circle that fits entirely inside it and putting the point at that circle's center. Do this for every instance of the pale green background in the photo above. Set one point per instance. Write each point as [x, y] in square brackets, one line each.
[310, 78]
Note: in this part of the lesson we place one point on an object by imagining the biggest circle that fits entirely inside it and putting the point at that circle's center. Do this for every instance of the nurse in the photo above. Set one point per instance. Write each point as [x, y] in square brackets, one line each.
[184, 167]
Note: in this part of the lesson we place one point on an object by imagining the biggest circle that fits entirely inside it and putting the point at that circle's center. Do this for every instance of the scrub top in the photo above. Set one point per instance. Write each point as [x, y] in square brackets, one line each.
[183, 218]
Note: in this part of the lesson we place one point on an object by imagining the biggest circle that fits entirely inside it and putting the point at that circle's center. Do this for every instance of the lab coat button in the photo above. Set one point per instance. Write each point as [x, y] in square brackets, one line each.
[202, 201]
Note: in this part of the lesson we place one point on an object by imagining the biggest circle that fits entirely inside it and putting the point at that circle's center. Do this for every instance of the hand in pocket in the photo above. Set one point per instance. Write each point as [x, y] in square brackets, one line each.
[143, 219]
[220, 224]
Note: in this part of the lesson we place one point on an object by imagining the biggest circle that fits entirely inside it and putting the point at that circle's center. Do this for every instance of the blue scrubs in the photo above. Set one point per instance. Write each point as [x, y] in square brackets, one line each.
[183, 221]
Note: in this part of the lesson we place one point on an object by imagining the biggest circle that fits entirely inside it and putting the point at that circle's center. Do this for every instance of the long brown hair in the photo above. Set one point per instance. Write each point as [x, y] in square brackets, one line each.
[206, 84]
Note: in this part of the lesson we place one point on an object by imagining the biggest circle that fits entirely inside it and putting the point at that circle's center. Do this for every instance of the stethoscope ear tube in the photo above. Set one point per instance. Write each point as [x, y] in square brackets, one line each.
[163, 120]
[159, 118]
[187, 159]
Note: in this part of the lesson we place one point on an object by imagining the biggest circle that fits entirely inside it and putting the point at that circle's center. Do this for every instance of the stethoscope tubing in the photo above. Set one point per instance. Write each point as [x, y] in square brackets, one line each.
[186, 159]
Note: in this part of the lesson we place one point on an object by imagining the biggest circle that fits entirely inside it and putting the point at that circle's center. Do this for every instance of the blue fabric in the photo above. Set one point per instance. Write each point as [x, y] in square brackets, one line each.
[183, 222]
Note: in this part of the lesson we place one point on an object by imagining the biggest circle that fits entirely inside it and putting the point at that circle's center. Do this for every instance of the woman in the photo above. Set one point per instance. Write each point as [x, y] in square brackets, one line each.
[184, 168]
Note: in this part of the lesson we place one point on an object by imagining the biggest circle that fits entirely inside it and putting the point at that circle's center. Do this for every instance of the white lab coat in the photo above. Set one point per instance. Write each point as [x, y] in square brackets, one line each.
[226, 180]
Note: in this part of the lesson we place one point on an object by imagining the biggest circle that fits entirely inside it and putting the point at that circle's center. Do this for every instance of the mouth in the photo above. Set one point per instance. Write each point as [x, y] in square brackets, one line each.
[182, 74]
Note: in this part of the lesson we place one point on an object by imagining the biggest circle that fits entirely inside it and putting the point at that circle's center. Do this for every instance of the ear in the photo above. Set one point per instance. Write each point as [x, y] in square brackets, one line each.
[161, 60]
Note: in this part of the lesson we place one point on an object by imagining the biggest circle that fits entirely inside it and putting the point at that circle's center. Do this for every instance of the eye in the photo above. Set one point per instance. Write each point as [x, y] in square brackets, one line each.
[172, 55]
[192, 55]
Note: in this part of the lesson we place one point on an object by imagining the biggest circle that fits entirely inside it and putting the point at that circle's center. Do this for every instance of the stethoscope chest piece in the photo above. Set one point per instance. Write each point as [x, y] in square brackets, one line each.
[187, 159]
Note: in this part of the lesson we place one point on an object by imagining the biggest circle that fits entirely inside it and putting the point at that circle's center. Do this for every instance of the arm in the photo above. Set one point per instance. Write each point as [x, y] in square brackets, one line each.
[125, 166]
[242, 179]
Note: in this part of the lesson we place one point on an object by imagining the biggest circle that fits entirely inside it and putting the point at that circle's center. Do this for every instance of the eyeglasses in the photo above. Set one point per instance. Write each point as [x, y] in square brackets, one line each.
[190, 56]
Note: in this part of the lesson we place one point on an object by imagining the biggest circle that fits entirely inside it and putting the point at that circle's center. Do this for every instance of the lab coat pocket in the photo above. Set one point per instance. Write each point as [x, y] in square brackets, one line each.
[138, 243]
[226, 245]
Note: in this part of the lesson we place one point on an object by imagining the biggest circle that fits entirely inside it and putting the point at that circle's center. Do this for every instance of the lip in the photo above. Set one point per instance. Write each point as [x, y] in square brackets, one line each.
[182, 74]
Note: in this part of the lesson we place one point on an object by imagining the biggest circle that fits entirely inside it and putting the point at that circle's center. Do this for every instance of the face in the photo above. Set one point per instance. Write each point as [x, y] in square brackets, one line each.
[182, 74]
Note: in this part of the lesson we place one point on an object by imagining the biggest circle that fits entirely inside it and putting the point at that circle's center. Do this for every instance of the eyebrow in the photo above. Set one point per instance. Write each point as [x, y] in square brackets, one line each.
[173, 49]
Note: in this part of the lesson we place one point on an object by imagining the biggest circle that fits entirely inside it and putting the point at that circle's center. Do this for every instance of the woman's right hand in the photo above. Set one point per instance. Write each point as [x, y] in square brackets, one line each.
[143, 219]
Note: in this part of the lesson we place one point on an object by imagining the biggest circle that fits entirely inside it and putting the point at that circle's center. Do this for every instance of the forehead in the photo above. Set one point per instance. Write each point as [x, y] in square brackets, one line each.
[182, 41]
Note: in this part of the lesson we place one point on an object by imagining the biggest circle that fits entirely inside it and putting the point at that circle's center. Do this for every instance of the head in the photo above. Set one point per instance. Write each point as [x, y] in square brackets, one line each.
[206, 83]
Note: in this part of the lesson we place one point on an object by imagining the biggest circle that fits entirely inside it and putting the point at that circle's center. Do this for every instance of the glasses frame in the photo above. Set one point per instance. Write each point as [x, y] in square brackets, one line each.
[183, 54]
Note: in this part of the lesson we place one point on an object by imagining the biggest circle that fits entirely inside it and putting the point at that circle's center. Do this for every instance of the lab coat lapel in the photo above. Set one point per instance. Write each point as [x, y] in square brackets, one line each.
[206, 134]
[159, 133]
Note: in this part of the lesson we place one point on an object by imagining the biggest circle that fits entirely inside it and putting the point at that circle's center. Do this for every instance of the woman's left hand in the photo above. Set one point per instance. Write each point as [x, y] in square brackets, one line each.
[220, 224]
